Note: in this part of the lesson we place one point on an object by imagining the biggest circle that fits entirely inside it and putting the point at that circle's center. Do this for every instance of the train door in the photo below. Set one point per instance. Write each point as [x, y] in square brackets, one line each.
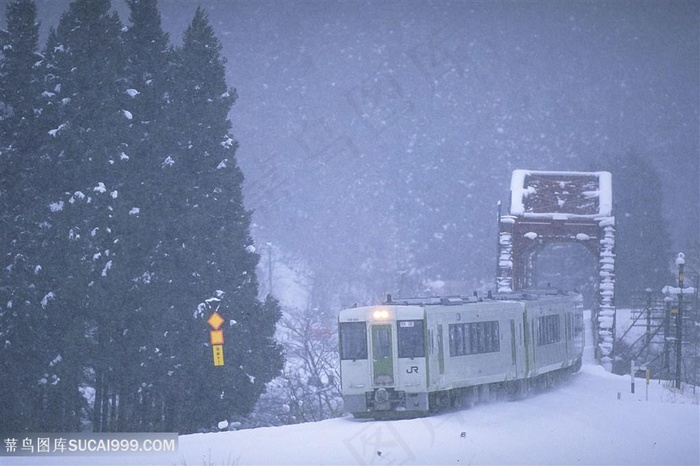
[513, 347]
[527, 342]
[568, 332]
[382, 355]
[441, 351]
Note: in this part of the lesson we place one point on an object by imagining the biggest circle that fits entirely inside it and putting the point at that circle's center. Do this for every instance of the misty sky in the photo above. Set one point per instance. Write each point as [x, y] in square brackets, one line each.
[399, 106]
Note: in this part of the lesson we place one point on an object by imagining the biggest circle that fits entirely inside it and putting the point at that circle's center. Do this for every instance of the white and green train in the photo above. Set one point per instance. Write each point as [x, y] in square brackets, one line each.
[413, 357]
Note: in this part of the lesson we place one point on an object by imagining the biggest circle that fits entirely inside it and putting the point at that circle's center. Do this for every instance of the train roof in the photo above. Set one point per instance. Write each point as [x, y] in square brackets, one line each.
[528, 295]
[420, 303]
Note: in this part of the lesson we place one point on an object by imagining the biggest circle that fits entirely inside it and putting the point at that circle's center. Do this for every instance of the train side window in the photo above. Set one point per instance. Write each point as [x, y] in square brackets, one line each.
[353, 340]
[456, 339]
[493, 337]
[411, 339]
[480, 337]
[548, 329]
[474, 338]
[456, 336]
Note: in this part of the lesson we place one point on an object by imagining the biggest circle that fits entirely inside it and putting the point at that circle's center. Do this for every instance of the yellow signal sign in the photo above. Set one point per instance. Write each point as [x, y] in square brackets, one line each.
[216, 337]
[215, 320]
[218, 351]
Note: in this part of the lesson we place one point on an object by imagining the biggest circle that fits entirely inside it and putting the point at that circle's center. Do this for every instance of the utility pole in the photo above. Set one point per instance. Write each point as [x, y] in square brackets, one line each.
[666, 368]
[680, 262]
[269, 268]
[648, 309]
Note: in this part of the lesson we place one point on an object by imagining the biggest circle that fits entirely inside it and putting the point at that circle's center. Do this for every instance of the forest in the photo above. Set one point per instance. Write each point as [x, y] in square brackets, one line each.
[123, 229]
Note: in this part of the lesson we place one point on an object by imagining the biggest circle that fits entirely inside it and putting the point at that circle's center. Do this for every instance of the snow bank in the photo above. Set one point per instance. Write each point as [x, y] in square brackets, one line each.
[581, 422]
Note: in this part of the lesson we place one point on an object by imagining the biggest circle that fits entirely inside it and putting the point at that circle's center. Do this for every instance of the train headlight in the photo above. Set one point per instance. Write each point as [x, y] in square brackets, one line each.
[380, 314]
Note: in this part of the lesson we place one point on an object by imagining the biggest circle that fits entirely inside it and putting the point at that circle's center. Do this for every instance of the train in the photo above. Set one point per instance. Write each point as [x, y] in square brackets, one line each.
[414, 357]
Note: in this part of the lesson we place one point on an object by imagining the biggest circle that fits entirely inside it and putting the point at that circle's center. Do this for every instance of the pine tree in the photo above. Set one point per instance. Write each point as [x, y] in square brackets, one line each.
[205, 252]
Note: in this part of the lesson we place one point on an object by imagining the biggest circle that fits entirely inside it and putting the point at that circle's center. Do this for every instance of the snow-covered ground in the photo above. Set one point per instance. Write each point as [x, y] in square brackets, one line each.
[591, 419]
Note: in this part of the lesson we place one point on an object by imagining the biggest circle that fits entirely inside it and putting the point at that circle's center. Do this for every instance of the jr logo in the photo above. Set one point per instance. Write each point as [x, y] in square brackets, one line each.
[412, 369]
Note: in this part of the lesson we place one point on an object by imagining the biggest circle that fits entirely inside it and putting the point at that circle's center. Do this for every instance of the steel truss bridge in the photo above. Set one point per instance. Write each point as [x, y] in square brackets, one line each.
[561, 207]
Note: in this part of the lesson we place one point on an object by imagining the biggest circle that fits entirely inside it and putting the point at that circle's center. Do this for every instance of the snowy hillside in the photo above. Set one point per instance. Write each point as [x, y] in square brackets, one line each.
[591, 419]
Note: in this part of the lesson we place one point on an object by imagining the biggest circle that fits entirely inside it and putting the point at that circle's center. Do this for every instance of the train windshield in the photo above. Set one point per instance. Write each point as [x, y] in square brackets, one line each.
[353, 340]
[411, 341]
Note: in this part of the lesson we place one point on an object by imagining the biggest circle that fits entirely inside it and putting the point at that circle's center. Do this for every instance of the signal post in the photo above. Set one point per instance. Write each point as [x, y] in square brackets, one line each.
[216, 338]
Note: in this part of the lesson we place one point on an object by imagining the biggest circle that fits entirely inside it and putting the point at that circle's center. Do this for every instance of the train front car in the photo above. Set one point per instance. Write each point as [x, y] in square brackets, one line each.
[382, 361]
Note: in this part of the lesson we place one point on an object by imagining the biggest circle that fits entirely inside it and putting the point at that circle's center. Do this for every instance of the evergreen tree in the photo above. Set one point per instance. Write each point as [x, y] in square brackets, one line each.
[22, 318]
[146, 71]
[643, 244]
[84, 177]
[19, 83]
[19, 92]
[205, 252]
